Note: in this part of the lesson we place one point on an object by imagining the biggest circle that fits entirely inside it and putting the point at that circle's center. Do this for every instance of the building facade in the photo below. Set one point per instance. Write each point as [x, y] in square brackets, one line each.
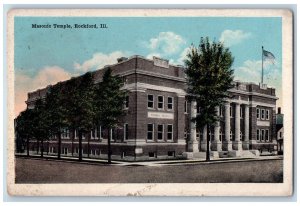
[157, 123]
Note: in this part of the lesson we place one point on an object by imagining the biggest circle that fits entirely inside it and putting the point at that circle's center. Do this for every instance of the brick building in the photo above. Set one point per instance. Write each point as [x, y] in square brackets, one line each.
[158, 126]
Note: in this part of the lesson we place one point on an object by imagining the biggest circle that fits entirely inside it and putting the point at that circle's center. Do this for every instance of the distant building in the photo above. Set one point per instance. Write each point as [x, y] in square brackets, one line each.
[279, 130]
[158, 126]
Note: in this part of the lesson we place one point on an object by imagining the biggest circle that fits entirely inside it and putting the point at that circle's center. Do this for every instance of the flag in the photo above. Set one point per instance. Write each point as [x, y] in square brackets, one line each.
[268, 56]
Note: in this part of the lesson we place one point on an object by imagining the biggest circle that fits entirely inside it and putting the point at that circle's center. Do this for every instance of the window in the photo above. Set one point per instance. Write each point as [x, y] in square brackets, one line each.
[170, 132]
[160, 132]
[257, 135]
[185, 133]
[160, 102]
[170, 103]
[257, 113]
[171, 153]
[231, 111]
[150, 101]
[241, 136]
[126, 103]
[125, 131]
[221, 135]
[101, 132]
[262, 135]
[262, 114]
[152, 154]
[185, 106]
[267, 134]
[65, 150]
[65, 133]
[150, 132]
[280, 134]
[231, 135]
[267, 114]
[76, 134]
[241, 112]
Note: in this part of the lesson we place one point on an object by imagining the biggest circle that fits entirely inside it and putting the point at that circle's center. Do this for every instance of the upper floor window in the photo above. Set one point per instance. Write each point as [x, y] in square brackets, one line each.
[150, 101]
[185, 106]
[262, 113]
[267, 114]
[258, 134]
[170, 103]
[160, 102]
[198, 109]
[257, 113]
[126, 103]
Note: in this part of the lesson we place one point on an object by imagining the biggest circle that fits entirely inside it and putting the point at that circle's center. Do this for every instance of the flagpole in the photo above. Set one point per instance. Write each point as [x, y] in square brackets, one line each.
[262, 65]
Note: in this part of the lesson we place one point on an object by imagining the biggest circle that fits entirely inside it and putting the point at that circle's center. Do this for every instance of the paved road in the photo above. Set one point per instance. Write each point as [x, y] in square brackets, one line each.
[52, 171]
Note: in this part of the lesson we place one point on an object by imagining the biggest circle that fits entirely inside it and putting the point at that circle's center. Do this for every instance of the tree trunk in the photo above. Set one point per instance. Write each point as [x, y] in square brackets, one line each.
[80, 145]
[108, 147]
[42, 147]
[37, 146]
[88, 149]
[207, 145]
[59, 145]
[73, 137]
[27, 140]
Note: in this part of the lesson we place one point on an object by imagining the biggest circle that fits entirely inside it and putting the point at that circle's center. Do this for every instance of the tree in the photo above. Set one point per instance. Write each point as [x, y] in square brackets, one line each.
[57, 109]
[209, 76]
[81, 107]
[24, 127]
[41, 123]
[109, 102]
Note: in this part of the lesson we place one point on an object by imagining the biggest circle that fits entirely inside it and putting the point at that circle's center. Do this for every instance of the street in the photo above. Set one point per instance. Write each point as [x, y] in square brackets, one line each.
[53, 171]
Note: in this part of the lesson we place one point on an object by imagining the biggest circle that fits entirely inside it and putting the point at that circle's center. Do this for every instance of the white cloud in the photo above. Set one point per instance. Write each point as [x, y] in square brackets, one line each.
[250, 71]
[230, 37]
[24, 83]
[99, 60]
[166, 43]
[182, 57]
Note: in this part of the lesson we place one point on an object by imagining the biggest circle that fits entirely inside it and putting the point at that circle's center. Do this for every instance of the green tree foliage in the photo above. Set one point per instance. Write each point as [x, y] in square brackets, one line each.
[24, 127]
[209, 75]
[57, 109]
[81, 107]
[109, 103]
[41, 123]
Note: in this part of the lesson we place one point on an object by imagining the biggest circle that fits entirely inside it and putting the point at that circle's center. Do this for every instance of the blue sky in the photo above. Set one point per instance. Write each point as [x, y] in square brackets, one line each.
[45, 56]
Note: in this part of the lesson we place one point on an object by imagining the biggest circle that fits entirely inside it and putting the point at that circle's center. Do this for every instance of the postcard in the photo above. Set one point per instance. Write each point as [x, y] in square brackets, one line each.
[150, 102]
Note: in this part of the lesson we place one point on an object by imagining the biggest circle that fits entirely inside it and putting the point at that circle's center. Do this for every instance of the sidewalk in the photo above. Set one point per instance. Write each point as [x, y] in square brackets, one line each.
[158, 163]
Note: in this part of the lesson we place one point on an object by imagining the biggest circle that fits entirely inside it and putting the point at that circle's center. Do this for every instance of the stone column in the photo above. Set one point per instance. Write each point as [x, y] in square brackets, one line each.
[204, 140]
[246, 121]
[227, 144]
[216, 143]
[193, 143]
[237, 144]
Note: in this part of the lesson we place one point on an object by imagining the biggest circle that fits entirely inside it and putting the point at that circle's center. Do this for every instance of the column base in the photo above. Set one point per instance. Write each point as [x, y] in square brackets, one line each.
[193, 146]
[237, 145]
[216, 146]
[226, 146]
[245, 145]
[203, 146]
